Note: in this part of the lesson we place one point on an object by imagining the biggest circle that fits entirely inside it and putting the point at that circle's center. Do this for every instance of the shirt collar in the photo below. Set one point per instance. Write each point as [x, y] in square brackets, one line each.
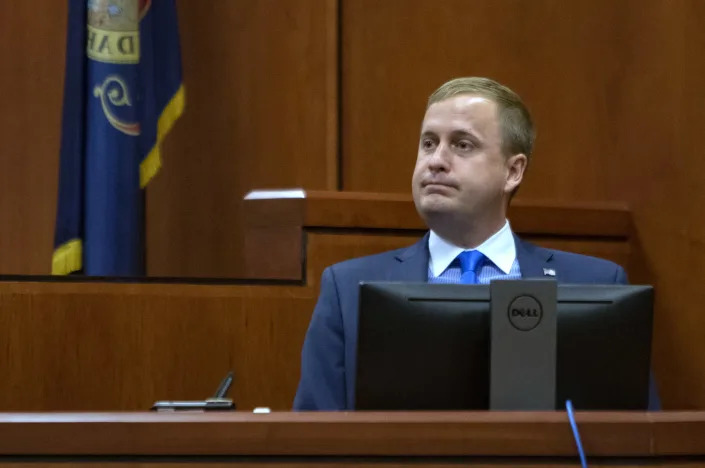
[499, 249]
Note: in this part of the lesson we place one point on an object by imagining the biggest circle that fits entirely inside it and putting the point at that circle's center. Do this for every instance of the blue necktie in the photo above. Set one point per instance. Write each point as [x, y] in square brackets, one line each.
[470, 264]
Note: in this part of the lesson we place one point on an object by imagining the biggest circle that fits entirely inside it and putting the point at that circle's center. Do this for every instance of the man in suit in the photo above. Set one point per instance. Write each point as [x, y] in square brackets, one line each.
[476, 142]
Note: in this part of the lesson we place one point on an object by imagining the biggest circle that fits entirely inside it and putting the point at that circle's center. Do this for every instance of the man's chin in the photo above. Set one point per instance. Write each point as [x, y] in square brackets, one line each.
[437, 204]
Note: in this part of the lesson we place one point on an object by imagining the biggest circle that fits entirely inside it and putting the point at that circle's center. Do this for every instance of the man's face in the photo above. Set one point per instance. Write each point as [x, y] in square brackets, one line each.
[461, 172]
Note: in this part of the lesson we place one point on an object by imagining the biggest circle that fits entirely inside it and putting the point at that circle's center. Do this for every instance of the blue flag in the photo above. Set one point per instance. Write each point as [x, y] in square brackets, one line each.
[122, 94]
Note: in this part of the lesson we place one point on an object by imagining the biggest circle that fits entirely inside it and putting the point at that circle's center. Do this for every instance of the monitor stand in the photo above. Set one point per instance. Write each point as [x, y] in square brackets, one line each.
[523, 345]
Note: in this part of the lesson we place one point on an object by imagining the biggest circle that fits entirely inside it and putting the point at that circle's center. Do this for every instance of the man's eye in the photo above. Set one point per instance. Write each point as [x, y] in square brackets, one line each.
[464, 145]
[427, 144]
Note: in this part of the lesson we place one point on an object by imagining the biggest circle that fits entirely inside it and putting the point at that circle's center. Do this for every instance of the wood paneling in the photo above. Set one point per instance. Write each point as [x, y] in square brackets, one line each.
[277, 229]
[31, 85]
[369, 210]
[324, 440]
[347, 462]
[98, 346]
[261, 83]
[563, 58]
[367, 462]
[660, 167]
[393, 434]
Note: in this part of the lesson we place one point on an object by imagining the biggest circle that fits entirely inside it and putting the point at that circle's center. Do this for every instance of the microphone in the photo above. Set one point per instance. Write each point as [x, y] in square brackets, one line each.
[224, 386]
[217, 402]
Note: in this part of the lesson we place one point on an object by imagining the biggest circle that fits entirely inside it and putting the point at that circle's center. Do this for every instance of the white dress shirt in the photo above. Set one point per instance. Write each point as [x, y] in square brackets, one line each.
[500, 249]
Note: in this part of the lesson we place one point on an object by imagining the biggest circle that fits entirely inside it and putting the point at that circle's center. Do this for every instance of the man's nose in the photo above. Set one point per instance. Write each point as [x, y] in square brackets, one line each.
[439, 159]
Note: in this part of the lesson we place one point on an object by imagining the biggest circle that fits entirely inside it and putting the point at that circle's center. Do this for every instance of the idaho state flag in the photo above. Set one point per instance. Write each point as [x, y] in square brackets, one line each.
[122, 94]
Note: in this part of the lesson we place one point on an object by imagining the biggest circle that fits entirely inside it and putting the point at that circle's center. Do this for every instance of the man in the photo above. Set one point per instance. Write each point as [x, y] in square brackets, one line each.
[476, 142]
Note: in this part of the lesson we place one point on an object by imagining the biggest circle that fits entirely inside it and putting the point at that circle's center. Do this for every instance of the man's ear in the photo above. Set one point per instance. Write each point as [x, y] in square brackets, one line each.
[516, 165]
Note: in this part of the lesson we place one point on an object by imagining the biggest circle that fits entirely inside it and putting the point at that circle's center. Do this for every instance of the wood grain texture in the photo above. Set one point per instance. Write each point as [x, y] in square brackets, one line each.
[377, 462]
[363, 434]
[365, 462]
[349, 462]
[261, 111]
[103, 346]
[566, 59]
[278, 230]
[665, 184]
[32, 79]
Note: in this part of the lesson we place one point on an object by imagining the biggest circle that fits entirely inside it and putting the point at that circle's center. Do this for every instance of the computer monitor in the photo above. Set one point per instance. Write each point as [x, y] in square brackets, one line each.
[427, 346]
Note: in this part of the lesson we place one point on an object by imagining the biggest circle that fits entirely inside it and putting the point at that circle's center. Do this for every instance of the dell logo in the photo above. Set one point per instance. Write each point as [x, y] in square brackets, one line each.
[525, 313]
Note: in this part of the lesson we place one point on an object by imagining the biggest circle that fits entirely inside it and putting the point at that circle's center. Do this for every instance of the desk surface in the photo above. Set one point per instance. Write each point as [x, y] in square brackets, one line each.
[542, 434]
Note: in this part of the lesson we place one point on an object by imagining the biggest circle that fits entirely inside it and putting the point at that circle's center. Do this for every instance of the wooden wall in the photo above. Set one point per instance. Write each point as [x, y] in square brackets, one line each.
[261, 78]
[615, 89]
[73, 346]
[570, 62]
[32, 35]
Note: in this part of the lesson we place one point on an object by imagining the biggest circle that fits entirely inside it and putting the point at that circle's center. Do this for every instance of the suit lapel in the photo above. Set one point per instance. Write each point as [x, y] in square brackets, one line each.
[533, 260]
[411, 263]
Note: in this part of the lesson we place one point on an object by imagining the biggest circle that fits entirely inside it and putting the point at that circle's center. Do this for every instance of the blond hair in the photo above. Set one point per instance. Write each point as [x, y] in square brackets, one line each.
[515, 122]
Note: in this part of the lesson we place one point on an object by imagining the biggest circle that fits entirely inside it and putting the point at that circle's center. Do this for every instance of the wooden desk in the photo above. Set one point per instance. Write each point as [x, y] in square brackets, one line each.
[287, 230]
[43, 440]
[95, 345]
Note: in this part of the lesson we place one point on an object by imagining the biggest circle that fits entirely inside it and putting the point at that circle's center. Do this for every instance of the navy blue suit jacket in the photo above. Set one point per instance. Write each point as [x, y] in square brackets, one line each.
[330, 349]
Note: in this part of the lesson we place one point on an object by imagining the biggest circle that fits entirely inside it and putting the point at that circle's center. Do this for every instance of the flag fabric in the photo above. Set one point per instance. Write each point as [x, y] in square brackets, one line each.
[122, 94]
